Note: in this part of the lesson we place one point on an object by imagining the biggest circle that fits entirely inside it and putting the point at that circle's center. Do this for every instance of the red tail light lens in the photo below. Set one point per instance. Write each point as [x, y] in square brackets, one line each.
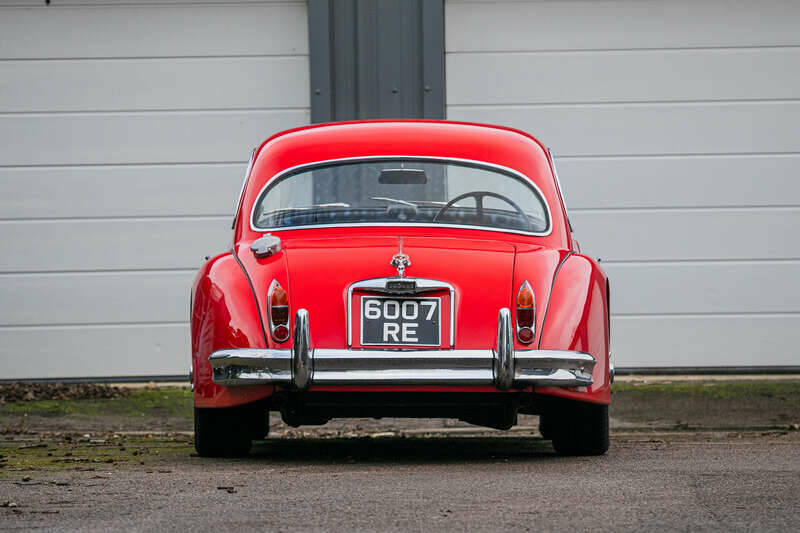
[281, 333]
[526, 313]
[278, 312]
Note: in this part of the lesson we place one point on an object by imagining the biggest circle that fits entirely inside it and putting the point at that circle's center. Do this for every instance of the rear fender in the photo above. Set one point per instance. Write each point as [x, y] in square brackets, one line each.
[224, 315]
[577, 319]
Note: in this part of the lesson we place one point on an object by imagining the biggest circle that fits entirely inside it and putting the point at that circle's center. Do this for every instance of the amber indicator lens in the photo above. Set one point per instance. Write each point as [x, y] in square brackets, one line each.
[278, 296]
[278, 312]
[525, 296]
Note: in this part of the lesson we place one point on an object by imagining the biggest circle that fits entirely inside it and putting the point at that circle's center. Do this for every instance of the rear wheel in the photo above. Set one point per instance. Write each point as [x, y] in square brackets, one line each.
[579, 428]
[546, 426]
[227, 431]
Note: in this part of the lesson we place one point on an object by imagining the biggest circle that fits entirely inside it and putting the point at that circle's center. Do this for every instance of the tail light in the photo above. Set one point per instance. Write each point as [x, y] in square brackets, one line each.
[526, 313]
[278, 312]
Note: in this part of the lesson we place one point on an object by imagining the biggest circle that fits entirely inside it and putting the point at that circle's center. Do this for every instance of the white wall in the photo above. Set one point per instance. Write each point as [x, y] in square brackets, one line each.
[125, 128]
[676, 129]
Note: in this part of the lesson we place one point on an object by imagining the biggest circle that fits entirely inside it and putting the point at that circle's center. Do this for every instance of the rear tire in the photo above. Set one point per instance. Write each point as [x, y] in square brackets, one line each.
[225, 431]
[546, 426]
[580, 428]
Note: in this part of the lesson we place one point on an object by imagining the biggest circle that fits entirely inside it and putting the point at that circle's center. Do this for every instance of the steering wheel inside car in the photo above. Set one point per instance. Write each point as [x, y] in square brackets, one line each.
[479, 195]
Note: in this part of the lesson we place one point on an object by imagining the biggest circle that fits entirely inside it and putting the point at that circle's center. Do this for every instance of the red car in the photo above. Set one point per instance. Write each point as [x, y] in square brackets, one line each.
[401, 269]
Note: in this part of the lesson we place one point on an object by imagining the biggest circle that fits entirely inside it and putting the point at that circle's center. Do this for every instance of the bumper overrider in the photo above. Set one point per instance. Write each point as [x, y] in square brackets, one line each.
[302, 366]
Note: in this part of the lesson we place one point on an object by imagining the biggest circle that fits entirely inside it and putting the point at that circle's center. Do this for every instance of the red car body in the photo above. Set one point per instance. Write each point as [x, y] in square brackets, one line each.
[242, 370]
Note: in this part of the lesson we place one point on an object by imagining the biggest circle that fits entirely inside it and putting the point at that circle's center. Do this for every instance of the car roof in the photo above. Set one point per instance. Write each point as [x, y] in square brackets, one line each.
[383, 128]
[497, 145]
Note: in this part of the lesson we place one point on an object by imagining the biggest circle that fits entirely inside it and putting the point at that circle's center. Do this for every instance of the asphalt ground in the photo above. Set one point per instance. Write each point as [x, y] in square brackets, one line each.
[697, 456]
[648, 481]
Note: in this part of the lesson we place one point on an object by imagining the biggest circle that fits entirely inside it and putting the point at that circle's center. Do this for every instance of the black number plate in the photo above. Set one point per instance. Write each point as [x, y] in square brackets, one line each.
[396, 321]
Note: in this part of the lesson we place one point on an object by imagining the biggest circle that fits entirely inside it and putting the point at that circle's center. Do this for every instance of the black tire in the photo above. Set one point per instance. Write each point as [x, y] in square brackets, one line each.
[224, 432]
[581, 428]
[546, 426]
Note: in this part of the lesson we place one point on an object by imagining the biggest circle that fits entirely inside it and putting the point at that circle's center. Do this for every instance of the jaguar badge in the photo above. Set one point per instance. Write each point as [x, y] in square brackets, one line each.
[401, 261]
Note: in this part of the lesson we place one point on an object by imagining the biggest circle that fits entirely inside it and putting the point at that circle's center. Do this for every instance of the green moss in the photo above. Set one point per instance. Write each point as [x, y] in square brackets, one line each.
[724, 390]
[708, 404]
[139, 403]
[54, 453]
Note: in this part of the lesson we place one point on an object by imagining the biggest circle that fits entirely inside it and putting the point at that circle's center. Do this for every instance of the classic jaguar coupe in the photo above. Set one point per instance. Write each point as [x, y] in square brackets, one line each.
[401, 269]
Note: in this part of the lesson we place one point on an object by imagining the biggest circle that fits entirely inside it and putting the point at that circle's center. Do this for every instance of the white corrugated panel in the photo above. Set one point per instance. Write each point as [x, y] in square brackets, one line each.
[676, 128]
[125, 128]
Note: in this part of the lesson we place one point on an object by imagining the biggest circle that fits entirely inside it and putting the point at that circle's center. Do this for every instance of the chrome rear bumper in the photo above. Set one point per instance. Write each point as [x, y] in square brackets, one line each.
[302, 366]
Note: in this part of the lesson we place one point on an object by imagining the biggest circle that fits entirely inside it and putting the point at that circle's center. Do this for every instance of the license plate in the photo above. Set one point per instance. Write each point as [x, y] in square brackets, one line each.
[398, 321]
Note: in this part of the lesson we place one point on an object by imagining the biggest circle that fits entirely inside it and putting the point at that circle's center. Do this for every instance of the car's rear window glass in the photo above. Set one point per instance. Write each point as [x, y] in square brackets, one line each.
[402, 191]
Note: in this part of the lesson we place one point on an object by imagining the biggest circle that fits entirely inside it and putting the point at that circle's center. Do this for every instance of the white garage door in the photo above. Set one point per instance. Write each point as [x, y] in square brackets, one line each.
[676, 129]
[125, 128]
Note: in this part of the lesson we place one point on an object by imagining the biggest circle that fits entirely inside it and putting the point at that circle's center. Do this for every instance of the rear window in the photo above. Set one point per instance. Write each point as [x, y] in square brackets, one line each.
[405, 192]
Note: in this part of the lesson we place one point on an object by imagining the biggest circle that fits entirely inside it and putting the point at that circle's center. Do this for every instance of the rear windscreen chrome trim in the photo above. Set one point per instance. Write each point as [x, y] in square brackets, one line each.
[241, 190]
[558, 185]
[525, 179]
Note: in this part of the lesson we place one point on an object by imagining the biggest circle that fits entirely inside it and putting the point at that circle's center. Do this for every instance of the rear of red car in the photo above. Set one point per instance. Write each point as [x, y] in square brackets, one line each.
[401, 268]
